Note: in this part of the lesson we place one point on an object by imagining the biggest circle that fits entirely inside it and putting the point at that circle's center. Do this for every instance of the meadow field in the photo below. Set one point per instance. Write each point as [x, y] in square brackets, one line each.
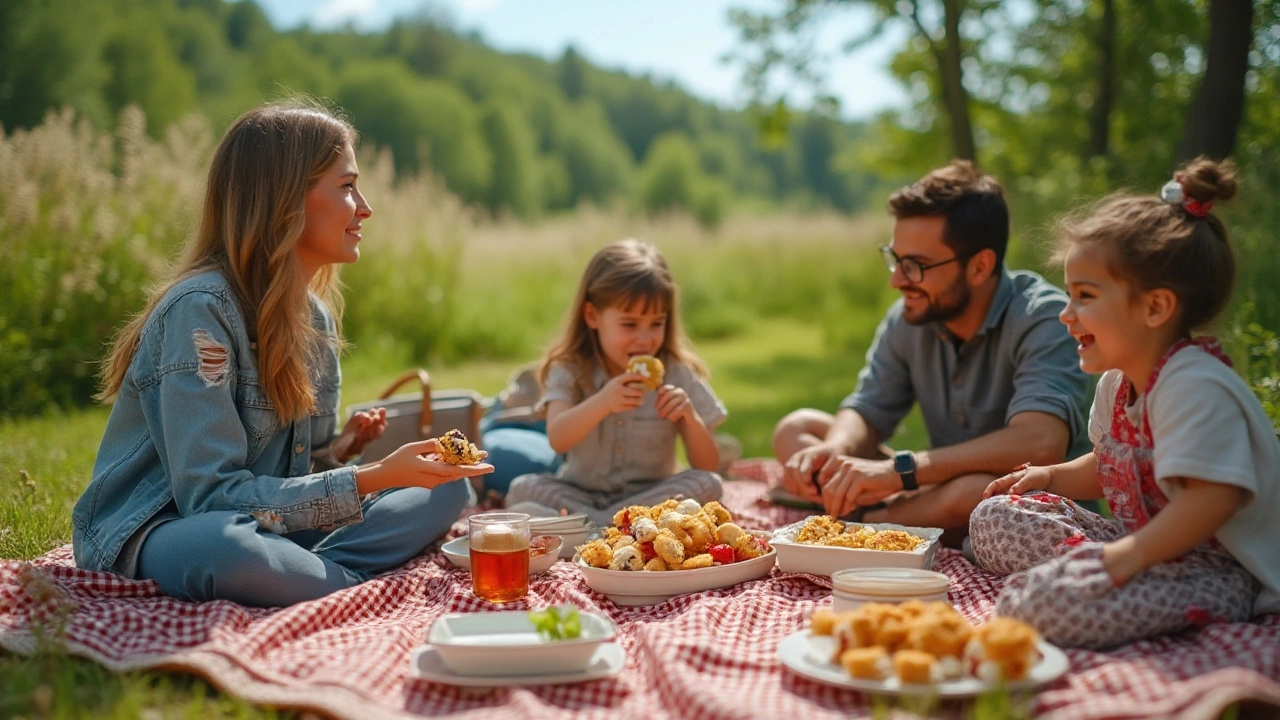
[781, 305]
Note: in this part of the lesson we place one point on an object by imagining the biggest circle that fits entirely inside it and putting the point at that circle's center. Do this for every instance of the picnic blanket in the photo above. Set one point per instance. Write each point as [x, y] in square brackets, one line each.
[705, 655]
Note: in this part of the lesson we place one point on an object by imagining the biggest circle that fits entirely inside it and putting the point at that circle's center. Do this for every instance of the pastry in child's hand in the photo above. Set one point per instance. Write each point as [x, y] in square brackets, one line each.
[648, 366]
[456, 449]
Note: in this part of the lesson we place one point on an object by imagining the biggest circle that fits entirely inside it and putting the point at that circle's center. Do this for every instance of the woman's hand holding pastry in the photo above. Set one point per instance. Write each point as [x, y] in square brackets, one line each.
[415, 464]
[622, 393]
[1023, 480]
[673, 404]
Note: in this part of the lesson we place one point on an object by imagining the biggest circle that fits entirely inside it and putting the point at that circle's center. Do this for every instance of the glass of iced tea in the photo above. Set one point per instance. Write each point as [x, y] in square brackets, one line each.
[499, 556]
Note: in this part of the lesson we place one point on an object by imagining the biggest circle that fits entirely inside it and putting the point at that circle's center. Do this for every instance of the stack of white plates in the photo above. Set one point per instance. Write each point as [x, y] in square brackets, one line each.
[574, 529]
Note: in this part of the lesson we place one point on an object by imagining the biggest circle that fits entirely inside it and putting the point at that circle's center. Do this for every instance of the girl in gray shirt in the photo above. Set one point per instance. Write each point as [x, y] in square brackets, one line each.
[620, 438]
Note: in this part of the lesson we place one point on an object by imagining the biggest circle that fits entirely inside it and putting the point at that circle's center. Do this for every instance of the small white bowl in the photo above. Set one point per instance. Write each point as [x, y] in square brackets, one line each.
[572, 538]
[505, 644]
[824, 560]
[458, 552]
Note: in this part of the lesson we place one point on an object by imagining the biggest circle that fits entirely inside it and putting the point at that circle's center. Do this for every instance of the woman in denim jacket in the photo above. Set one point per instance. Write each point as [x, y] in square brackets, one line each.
[221, 473]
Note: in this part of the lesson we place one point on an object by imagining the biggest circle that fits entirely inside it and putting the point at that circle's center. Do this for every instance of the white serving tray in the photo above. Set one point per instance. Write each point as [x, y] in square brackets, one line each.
[824, 560]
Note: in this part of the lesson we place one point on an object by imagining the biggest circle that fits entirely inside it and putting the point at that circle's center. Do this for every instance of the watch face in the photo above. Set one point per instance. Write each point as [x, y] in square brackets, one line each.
[903, 462]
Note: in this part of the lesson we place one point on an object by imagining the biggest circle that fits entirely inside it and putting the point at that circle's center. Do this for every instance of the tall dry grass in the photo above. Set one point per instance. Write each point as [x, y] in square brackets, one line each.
[91, 219]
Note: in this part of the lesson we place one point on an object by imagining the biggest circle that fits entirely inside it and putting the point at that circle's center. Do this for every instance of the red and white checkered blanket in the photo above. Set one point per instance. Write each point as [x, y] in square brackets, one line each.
[707, 655]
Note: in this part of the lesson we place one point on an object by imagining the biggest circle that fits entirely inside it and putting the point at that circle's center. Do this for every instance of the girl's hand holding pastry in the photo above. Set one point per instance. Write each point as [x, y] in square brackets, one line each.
[622, 393]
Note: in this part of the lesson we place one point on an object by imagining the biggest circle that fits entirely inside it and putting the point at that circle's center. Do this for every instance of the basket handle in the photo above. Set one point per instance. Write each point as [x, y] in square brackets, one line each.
[424, 380]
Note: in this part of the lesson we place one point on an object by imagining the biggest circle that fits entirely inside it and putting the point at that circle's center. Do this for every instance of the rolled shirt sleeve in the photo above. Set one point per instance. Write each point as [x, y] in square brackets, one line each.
[1047, 377]
[884, 393]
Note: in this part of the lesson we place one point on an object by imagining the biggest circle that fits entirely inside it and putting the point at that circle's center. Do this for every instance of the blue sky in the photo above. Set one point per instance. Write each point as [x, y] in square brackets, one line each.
[681, 40]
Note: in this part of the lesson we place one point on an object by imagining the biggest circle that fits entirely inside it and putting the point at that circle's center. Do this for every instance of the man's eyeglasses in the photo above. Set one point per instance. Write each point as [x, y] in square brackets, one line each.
[913, 270]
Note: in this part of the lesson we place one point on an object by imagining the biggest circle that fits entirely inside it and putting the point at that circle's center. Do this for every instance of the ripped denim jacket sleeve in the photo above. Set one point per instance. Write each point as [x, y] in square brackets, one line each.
[221, 443]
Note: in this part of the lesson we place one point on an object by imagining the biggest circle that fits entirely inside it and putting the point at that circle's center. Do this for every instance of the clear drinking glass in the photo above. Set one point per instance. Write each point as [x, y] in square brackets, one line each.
[499, 545]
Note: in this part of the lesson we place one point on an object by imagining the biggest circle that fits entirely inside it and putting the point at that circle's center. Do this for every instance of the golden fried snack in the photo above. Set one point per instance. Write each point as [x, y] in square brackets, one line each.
[697, 562]
[913, 666]
[648, 366]
[869, 663]
[702, 535]
[669, 548]
[596, 553]
[822, 621]
[655, 564]
[719, 514]
[456, 449]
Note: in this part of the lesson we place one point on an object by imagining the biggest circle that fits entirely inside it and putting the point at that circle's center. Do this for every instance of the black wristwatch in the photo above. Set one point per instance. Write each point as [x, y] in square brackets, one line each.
[904, 463]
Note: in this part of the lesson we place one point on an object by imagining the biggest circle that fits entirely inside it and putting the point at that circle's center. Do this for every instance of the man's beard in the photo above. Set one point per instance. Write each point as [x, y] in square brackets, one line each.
[949, 305]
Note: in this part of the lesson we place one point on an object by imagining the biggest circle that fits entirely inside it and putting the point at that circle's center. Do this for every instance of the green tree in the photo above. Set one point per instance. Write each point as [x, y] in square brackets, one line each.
[515, 173]
[49, 54]
[419, 120]
[572, 74]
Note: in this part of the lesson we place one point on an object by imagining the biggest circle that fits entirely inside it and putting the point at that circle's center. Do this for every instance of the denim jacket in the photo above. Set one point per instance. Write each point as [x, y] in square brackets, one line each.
[185, 438]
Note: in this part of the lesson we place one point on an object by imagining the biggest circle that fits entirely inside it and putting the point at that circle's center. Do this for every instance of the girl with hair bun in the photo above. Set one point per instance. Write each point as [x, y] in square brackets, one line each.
[1183, 451]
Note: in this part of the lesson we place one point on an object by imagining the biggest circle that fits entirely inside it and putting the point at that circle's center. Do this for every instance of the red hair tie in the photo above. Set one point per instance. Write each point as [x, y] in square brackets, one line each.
[1175, 194]
[1197, 208]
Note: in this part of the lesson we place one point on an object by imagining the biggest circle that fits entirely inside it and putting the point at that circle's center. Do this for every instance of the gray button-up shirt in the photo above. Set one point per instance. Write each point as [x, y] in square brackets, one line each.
[1022, 359]
[633, 445]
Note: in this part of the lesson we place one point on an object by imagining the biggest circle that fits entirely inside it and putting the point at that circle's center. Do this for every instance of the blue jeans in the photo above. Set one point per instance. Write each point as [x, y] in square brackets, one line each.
[225, 555]
[515, 451]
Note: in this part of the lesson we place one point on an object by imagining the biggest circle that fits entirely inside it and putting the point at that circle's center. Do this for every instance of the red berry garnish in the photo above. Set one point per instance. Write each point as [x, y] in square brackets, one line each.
[721, 553]
[647, 552]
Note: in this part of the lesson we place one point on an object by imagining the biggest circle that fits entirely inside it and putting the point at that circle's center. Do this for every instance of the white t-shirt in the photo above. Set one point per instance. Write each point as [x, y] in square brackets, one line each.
[1207, 424]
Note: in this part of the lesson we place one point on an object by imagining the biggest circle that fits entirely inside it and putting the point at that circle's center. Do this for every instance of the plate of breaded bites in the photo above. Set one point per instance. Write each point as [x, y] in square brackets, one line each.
[920, 648]
[650, 554]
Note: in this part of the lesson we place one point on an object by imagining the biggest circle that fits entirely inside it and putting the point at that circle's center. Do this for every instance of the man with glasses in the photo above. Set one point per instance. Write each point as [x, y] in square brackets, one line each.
[978, 346]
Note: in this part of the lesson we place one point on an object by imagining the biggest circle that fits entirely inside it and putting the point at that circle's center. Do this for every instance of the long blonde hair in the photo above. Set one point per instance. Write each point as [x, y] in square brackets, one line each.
[620, 275]
[253, 216]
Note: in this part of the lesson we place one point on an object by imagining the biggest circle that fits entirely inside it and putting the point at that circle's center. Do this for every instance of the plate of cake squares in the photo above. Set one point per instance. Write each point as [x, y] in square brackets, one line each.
[920, 648]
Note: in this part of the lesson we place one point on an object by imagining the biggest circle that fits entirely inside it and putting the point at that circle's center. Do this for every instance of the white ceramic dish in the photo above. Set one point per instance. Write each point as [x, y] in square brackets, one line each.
[627, 587]
[810, 655]
[505, 644]
[458, 552]
[426, 663]
[824, 560]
